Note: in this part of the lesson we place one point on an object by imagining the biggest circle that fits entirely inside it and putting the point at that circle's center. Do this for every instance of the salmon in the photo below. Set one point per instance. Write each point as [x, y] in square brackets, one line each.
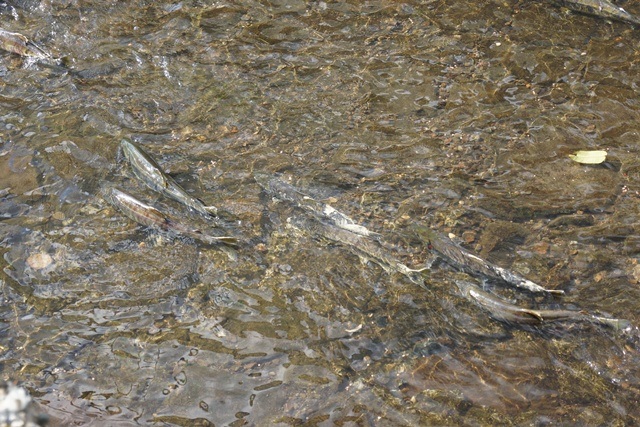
[151, 174]
[600, 8]
[458, 257]
[147, 215]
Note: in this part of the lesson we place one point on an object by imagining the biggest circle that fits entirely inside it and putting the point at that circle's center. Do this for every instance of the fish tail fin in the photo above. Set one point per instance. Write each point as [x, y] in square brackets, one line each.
[534, 314]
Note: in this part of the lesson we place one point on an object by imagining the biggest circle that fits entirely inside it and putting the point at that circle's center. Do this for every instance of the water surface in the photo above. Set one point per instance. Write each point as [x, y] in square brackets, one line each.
[459, 115]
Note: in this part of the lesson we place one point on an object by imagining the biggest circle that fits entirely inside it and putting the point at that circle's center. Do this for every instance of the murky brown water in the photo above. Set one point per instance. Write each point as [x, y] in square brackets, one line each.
[459, 115]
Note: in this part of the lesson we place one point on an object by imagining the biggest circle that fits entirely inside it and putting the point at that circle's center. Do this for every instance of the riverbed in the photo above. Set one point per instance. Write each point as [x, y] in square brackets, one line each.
[456, 115]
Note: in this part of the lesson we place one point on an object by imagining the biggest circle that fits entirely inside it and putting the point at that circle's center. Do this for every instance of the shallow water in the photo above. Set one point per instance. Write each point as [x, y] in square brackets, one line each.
[459, 116]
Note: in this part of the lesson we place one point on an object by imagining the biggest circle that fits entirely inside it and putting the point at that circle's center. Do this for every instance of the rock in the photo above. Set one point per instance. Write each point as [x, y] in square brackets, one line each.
[39, 261]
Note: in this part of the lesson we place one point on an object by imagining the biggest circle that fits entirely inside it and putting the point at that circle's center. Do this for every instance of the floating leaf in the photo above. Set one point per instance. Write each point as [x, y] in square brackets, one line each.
[593, 157]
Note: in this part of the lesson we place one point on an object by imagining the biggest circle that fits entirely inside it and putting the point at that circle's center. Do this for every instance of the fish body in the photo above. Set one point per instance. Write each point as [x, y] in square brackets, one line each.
[20, 45]
[281, 190]
[346, 223]
[278, 189]
[144, 166]
[505, 311]
[600, 8]
[147, 215]
[328, 223]
[460, 258]
[135, 209]
[360, 245]
[499, 309]
[149, 172]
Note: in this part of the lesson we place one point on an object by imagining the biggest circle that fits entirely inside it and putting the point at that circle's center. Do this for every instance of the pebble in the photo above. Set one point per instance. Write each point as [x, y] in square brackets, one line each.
[636, 273]
[541, 248]
[39, 261]
[469, 236]
[598, 277]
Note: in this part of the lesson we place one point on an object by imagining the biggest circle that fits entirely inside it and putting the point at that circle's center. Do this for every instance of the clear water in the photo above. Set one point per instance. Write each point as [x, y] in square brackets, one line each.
[459, 115]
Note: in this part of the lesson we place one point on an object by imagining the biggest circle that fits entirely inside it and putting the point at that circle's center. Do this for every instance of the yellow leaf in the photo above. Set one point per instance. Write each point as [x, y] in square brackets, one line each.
[593, 157]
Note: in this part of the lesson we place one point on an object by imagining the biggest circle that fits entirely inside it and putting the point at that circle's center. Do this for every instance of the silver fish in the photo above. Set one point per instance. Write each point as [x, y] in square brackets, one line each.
[505, 311]
[361, 246]
[148, 215]
[149, 172]
[460, 258]
[281, 190]
[600, 8]
[20, 45]
[346, 223]
[278, 189]
[499, 309]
